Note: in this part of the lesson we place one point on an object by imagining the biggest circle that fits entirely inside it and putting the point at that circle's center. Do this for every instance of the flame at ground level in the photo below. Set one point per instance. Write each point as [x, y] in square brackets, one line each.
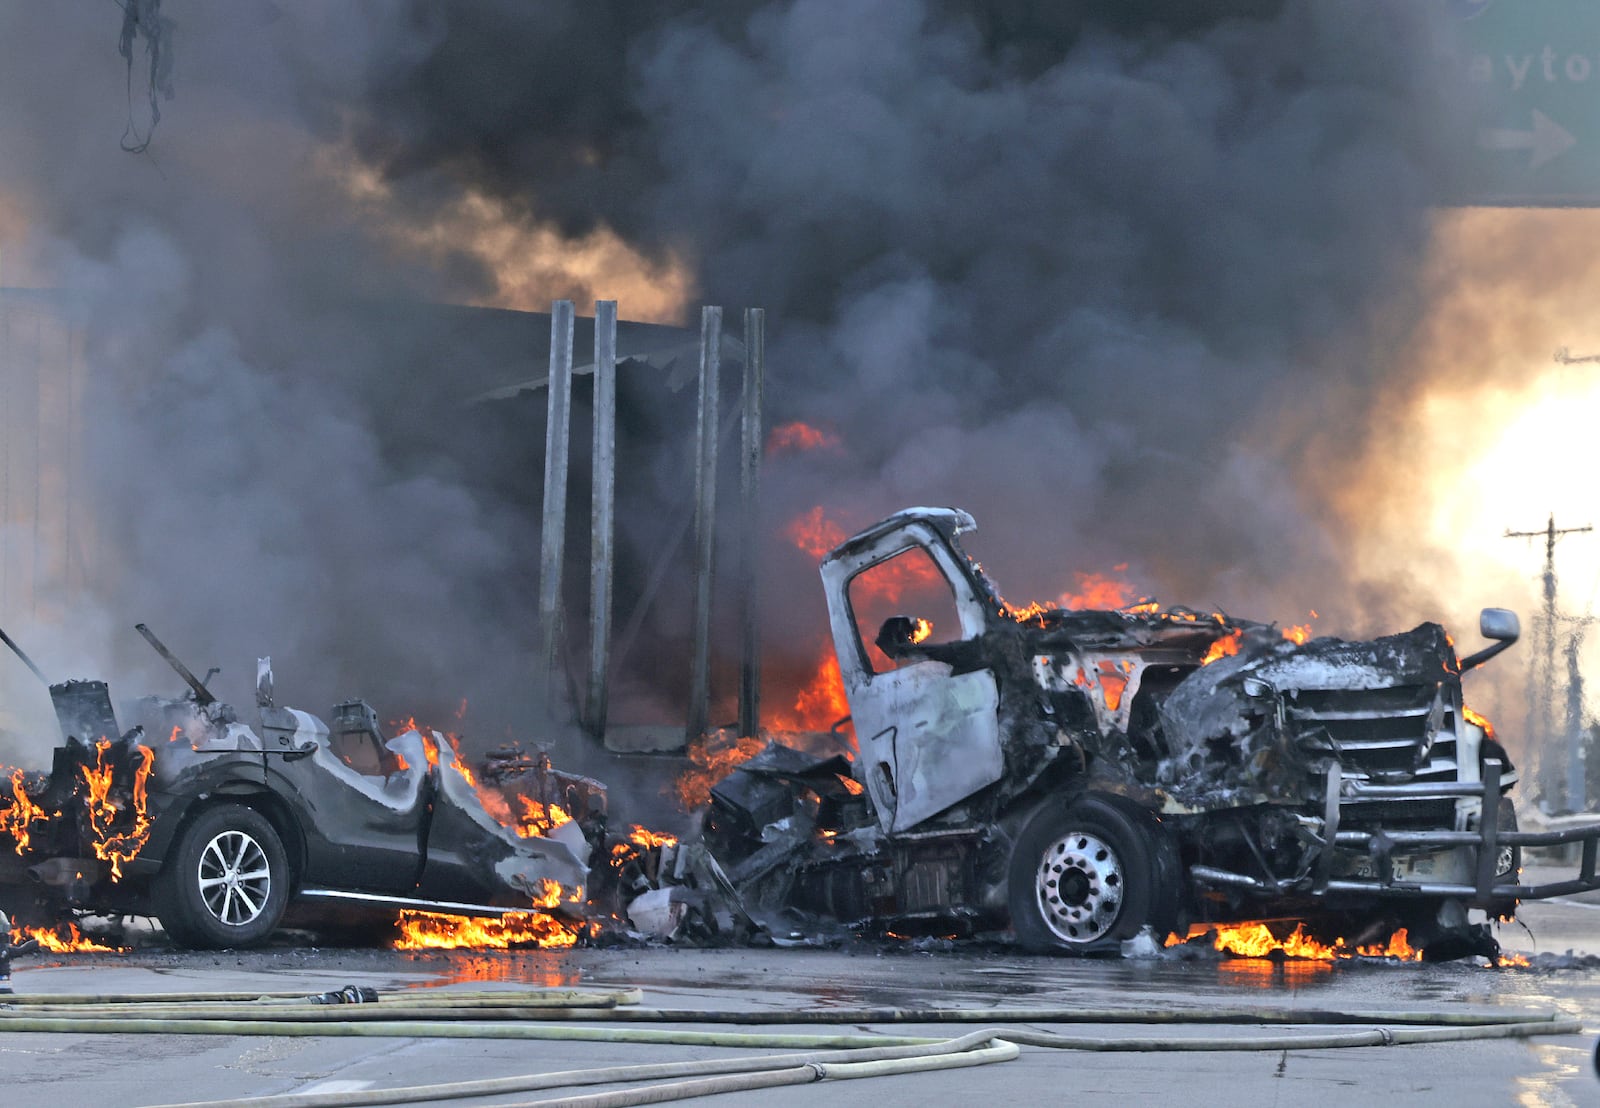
[65, 939]
[1256, 940]
[436, 931]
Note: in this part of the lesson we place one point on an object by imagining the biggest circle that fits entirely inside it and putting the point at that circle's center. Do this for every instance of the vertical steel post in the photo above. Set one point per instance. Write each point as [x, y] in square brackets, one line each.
[755, 338]
[1489, 834]
[705, 519]
[38, 458]
[602, 521]
[7, 420]
[553, 533]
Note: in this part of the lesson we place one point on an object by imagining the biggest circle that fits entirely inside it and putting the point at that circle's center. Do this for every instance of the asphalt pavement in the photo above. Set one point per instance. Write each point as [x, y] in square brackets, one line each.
[1561, 939]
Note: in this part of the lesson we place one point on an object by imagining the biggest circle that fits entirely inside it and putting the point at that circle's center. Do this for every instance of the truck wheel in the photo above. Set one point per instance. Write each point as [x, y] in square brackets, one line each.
[227, 882]
[1083, 878]
[1509, 859]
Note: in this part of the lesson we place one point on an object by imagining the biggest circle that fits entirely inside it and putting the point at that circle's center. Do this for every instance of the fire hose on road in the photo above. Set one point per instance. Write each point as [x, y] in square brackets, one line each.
[527, 1014]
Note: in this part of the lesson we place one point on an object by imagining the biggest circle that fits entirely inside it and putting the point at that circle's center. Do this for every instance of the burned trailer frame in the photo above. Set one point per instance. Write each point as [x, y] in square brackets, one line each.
[1077, 776]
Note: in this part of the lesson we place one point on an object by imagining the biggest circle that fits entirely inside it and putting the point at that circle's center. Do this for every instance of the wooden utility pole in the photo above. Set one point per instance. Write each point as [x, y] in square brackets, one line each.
[1541, 728]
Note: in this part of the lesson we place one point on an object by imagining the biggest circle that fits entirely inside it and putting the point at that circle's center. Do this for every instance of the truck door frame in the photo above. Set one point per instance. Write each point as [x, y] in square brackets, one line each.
[929, 737]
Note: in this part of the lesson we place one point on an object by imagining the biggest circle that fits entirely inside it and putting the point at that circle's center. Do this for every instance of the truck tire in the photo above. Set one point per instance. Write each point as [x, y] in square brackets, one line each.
[1084, 877]
[1509, 861]
[227, 882]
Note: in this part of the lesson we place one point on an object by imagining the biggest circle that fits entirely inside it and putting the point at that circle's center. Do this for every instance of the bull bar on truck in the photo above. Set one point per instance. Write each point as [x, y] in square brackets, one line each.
[1487, 840]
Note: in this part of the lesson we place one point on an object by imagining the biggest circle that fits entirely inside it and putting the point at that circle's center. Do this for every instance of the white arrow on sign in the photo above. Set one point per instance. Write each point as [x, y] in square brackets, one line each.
[1547, 140]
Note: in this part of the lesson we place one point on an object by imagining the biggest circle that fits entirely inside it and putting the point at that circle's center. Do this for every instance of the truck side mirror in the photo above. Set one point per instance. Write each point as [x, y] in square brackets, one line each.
[1499, 624]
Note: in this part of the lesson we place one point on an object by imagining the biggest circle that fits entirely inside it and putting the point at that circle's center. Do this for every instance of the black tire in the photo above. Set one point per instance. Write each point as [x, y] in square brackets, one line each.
[1509, 861]
[1084, 877]
[227, 882]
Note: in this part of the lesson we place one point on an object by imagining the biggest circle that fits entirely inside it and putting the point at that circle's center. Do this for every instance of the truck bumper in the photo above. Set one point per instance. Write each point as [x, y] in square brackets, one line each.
[1485, 890]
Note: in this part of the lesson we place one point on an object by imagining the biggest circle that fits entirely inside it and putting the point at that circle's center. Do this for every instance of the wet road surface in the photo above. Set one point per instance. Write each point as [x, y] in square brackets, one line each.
[128, 1069]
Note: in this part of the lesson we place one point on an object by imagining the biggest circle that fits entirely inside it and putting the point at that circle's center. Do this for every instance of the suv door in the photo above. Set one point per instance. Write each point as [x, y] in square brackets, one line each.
[364, 831]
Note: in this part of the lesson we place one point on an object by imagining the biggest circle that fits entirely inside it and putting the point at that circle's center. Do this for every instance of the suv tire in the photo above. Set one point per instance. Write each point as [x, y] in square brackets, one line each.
[227, 882]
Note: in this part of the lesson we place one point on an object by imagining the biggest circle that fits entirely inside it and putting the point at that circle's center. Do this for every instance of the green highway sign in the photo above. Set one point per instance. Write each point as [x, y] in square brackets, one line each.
[1533, 68]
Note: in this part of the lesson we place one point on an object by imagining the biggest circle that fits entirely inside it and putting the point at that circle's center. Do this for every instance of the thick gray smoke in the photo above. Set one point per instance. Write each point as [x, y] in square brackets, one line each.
[1078, 266]
[1091, 270]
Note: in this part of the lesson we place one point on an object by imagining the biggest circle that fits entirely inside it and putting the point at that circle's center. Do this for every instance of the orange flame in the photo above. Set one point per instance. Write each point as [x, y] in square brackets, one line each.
[797, 436]
[538, 820]
[1093, 592]
[814, 533]
[1113, 683]
[105, 812]
[819, 703]
[433, 931]
[1256, 940]
[71, 942]
[1472, 717]
[1224, 647]
[1098, 590]
[710, 766]
[643, 836]
[23, 812]
[493, 800]
[437, 931]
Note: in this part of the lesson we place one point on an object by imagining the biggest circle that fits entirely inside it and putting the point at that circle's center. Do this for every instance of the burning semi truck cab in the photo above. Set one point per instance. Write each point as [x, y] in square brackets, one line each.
[1080, 775]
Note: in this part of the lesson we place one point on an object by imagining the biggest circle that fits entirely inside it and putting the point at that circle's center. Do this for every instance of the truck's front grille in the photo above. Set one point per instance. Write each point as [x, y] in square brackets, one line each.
[1379, 732]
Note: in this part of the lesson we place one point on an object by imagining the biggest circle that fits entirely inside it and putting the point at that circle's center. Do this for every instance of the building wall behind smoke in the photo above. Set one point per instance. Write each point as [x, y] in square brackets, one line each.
[49, 553]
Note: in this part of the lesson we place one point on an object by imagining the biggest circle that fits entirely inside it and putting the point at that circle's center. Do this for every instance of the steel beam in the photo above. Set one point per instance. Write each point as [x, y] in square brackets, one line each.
[602, 519]
[705, 519]
[553, 533]
[755, 339]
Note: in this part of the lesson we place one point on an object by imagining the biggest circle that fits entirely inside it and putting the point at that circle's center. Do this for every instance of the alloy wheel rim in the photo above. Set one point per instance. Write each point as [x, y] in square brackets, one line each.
[235, 878]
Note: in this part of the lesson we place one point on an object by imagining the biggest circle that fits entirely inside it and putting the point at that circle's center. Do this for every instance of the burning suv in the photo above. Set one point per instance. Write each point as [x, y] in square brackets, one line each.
[1082, 775]
[217, 827]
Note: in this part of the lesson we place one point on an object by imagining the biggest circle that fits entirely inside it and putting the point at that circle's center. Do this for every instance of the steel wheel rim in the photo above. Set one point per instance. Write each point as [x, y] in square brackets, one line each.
[235, 878]
[1079, 885]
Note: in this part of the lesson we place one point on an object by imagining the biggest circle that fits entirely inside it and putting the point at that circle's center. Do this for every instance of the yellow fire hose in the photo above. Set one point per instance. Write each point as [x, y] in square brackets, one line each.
[525, 1014]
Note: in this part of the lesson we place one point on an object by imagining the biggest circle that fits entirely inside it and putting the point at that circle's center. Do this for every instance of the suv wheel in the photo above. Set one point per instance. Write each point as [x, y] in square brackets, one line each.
[227, 882]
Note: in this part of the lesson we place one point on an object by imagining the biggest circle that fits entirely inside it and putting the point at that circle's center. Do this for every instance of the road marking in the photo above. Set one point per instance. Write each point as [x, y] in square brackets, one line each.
[1572, 903]
[337, 1086]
